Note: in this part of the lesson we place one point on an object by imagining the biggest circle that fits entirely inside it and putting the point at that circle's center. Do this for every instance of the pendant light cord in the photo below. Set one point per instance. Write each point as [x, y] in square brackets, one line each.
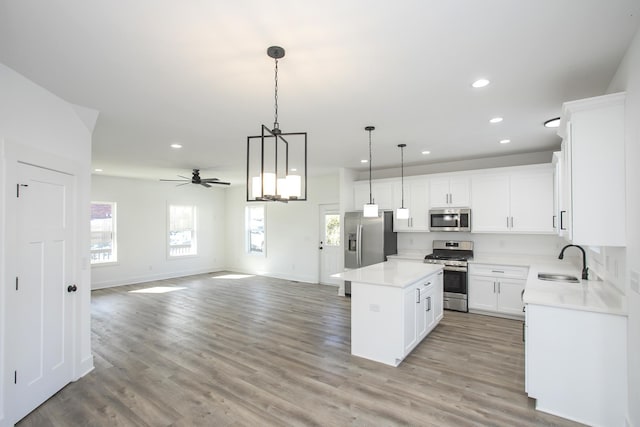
[276, 125]
[402, 174]
[370, 191]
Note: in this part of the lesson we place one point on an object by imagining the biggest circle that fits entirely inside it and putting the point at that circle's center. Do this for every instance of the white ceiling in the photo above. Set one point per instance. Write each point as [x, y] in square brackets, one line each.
[197, 73]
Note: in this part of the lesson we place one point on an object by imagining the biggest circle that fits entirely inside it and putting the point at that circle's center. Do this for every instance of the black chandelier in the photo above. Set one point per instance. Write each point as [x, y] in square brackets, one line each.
[276, 161]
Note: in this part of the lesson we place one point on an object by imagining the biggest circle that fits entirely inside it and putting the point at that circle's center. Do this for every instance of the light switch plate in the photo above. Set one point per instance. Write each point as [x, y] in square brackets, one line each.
[634, 279]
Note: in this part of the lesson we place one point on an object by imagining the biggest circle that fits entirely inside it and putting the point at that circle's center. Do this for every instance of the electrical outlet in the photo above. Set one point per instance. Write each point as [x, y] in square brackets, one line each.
[634, 281]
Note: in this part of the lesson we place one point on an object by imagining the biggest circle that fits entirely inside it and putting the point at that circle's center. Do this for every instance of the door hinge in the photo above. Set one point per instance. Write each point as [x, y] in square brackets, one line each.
[18, 188]
[15, 377]
[16, 283]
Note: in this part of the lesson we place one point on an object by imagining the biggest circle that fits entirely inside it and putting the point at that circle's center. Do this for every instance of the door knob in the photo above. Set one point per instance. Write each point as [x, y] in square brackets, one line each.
[72, 288]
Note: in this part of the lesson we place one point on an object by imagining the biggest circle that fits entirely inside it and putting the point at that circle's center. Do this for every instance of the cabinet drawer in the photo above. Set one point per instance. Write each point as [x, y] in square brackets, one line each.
[495, 270]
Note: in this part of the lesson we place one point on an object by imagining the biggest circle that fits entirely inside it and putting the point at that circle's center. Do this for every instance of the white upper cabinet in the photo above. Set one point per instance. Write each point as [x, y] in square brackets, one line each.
[593, 191]
[381, 191]
[450, 191]
[518, 201]
[416, 200]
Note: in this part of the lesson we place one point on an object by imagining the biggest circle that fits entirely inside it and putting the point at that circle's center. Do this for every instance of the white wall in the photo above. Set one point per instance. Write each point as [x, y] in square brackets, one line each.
[141, 215]
[33, 120]
[628, 79]
[292, 233]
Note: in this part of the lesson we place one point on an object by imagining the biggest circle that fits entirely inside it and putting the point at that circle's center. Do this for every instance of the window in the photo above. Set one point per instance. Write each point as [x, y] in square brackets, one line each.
[255, 229]
[332, 229]
[103, 232]
[182, 231]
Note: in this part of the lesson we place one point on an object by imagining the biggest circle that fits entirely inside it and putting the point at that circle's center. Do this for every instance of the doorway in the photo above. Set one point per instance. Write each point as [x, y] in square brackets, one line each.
[330, 244]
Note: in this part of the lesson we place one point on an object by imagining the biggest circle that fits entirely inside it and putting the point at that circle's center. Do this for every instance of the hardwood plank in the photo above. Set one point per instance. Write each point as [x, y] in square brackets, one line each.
[264, 351]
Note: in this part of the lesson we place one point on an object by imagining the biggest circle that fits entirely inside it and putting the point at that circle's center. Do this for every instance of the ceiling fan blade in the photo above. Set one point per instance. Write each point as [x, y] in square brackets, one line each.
[174, 180]
[205, 184]
[220, 183]
[184, 177]
[209, 179]
[184, 183]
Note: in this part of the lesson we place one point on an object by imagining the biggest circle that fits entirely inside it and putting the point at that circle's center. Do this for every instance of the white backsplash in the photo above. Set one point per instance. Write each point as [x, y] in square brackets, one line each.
[521, 244]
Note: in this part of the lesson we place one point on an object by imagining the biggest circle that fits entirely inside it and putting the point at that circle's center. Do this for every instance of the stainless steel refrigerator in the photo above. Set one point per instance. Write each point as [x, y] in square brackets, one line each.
[368, 240]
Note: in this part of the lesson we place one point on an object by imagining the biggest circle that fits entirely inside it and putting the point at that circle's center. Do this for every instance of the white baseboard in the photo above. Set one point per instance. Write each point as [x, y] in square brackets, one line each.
[151, 277]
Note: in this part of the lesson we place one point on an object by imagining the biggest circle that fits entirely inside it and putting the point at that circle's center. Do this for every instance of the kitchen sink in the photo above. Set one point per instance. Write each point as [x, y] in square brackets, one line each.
[558, 277]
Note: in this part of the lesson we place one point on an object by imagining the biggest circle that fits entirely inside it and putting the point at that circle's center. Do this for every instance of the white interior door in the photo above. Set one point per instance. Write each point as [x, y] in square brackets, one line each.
[330, 244]
[40, 307]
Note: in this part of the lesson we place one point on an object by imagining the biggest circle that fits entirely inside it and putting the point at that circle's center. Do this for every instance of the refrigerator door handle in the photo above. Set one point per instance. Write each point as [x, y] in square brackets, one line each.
[359, 245]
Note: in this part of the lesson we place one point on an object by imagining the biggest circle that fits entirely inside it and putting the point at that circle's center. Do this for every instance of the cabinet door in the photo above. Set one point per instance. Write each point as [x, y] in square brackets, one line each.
[566, 210]
[410, 309]
[459, 190]
[400, 224]
[439, 193]
[422, 313]
[438, 295]
[532, 202]
[482, 293]
[429, 313]
[383, 194]
[510, 296]
[418, 205]
[360, 194]
[490, 203]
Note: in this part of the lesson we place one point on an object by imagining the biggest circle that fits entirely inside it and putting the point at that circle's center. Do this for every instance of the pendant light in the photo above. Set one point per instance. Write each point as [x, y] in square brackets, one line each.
[370, 209]
[402, 212]
[276, 161]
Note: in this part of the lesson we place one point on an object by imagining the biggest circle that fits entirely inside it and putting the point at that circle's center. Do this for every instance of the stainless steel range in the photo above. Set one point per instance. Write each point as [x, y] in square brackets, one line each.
[453, 255]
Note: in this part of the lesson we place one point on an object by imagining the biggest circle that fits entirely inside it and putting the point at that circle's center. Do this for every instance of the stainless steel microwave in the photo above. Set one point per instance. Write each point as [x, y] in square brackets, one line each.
[451, 219]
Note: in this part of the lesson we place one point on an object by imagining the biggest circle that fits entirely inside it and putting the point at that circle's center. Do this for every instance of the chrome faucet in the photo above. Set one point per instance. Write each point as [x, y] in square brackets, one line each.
[585, 270]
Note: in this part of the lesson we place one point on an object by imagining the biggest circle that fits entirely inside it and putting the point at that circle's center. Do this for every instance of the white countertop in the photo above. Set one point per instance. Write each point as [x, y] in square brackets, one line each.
[588, 295]
[411, 256]
[396, 273]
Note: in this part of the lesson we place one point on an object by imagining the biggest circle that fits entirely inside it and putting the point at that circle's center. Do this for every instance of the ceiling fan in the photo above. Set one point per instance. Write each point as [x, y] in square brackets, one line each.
[195, 179]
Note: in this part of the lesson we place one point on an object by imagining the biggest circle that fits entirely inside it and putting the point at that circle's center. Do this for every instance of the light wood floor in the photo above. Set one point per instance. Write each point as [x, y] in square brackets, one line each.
[259, 351]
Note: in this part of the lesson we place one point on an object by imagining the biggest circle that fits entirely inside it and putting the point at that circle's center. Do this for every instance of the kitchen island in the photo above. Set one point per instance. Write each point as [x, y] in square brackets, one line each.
[394, 306]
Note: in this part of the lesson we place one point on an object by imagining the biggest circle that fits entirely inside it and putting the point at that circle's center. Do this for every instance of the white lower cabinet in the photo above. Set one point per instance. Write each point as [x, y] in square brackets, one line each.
[422, 310]
[388, 322]
[575, 364]
[497, 289]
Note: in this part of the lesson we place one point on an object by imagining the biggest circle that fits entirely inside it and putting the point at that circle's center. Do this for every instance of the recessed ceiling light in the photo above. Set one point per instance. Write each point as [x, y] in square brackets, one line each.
[505, 141]
[480, 83]
[97, 170]
[552, 123]
[426, 152]
[176, 146]
[364, 161]
[495, 120]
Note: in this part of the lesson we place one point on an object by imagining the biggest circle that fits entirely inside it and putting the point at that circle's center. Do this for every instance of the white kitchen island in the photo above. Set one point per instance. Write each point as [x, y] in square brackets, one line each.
[394, 306]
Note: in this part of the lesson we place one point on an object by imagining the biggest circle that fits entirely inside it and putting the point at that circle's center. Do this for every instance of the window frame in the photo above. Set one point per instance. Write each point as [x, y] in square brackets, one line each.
[247, 230]
[194, 238]
[114, 234]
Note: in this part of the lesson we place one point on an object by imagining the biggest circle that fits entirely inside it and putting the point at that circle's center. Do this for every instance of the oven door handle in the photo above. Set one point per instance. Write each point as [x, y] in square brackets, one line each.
[453, 268]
